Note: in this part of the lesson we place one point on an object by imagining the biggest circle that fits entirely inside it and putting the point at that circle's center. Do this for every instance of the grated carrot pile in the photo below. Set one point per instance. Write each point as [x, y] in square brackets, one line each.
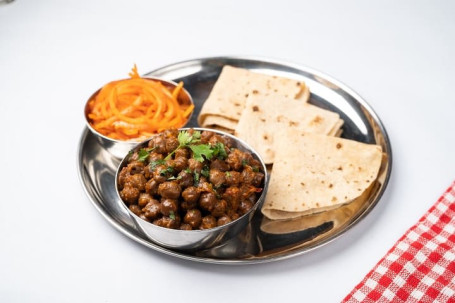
[136, 108]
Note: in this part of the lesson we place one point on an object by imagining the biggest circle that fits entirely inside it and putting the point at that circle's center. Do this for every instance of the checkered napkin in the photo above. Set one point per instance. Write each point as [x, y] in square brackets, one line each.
[420, 267]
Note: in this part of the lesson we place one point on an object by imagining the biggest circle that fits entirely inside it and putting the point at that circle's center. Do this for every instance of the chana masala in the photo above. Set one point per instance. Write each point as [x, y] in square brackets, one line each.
[190, 179]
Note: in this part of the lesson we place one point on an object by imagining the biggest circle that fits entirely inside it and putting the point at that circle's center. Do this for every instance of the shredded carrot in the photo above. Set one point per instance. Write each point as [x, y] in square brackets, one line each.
[136, 108]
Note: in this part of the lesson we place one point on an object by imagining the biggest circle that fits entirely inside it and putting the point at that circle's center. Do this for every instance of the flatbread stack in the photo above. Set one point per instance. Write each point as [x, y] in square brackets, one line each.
[314, 173]
[224, 106]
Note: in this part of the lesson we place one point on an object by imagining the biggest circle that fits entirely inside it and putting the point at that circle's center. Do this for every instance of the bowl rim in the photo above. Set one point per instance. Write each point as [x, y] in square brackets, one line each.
[133, 140]
[256, 205]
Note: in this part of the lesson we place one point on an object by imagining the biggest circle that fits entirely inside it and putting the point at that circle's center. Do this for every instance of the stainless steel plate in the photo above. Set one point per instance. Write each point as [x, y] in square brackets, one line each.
[255, 244]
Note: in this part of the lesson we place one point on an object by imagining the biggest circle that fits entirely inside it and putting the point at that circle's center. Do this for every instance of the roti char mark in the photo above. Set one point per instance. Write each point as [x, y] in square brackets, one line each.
[293, 123]
[317, 120]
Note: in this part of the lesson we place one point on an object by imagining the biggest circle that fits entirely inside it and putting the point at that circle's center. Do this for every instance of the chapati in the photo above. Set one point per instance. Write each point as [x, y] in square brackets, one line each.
[314, 173]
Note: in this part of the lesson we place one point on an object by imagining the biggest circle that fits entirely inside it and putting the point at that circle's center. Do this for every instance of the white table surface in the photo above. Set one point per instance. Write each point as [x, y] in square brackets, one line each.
[56, 247]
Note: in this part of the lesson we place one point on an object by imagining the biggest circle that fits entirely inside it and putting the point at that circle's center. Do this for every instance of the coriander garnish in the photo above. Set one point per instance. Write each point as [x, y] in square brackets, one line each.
[196, 178]
[205, 171]
[219, 151]
[155, 163]
[185, 139]
[200, 151]
[171, 215]
[167, 170]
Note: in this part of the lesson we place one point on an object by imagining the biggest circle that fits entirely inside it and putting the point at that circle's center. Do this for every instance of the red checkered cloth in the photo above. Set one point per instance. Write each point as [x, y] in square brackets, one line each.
[420, 267]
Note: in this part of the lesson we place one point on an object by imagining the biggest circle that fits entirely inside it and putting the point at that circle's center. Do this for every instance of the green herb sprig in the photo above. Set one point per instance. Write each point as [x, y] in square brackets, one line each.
[154, 164]
[185, 139]
[142, 154]
[205, 171]
[219, 151]
[200, 151]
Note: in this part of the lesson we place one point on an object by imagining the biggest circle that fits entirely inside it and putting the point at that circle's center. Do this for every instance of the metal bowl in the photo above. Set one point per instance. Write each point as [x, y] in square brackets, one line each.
[119, 148]
[192, 240]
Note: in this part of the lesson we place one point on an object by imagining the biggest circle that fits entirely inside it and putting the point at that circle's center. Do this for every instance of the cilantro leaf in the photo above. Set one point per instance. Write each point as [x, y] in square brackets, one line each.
[142, 155]
[188, 171]
[171, 215]
[201, 150]
[185, 139]
[168, 170]
[154, 164]
[196, 136]
[205, 171]
[219, 151]
[196, 178]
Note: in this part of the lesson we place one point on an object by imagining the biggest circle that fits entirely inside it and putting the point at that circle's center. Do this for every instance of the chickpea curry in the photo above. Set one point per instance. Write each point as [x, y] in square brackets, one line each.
[190, 180]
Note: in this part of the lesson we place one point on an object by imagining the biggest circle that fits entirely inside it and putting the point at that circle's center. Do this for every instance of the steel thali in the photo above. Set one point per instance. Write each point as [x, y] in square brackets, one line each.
[254, 245]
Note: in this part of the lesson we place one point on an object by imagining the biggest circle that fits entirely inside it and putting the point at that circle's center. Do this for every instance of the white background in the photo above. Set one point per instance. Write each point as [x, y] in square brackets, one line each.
[56, 247]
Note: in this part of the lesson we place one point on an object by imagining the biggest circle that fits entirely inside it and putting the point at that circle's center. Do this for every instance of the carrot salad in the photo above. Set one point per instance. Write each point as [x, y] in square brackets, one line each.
[136, 108]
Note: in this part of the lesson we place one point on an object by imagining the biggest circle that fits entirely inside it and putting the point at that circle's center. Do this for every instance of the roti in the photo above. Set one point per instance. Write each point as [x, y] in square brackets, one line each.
[337, 216]
[220, 123]
[265, 116]
[314, 173]
[226, 100]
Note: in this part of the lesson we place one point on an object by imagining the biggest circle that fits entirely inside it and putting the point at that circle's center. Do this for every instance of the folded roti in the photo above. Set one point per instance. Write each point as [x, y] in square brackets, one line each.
[337, 216]
[337, 130]
[314, 173]
[226, 101]
[264, 117]
[220, 123]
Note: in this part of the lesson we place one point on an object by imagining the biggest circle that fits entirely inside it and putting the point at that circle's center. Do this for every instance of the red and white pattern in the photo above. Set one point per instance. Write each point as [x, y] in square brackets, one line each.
[420, 267]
